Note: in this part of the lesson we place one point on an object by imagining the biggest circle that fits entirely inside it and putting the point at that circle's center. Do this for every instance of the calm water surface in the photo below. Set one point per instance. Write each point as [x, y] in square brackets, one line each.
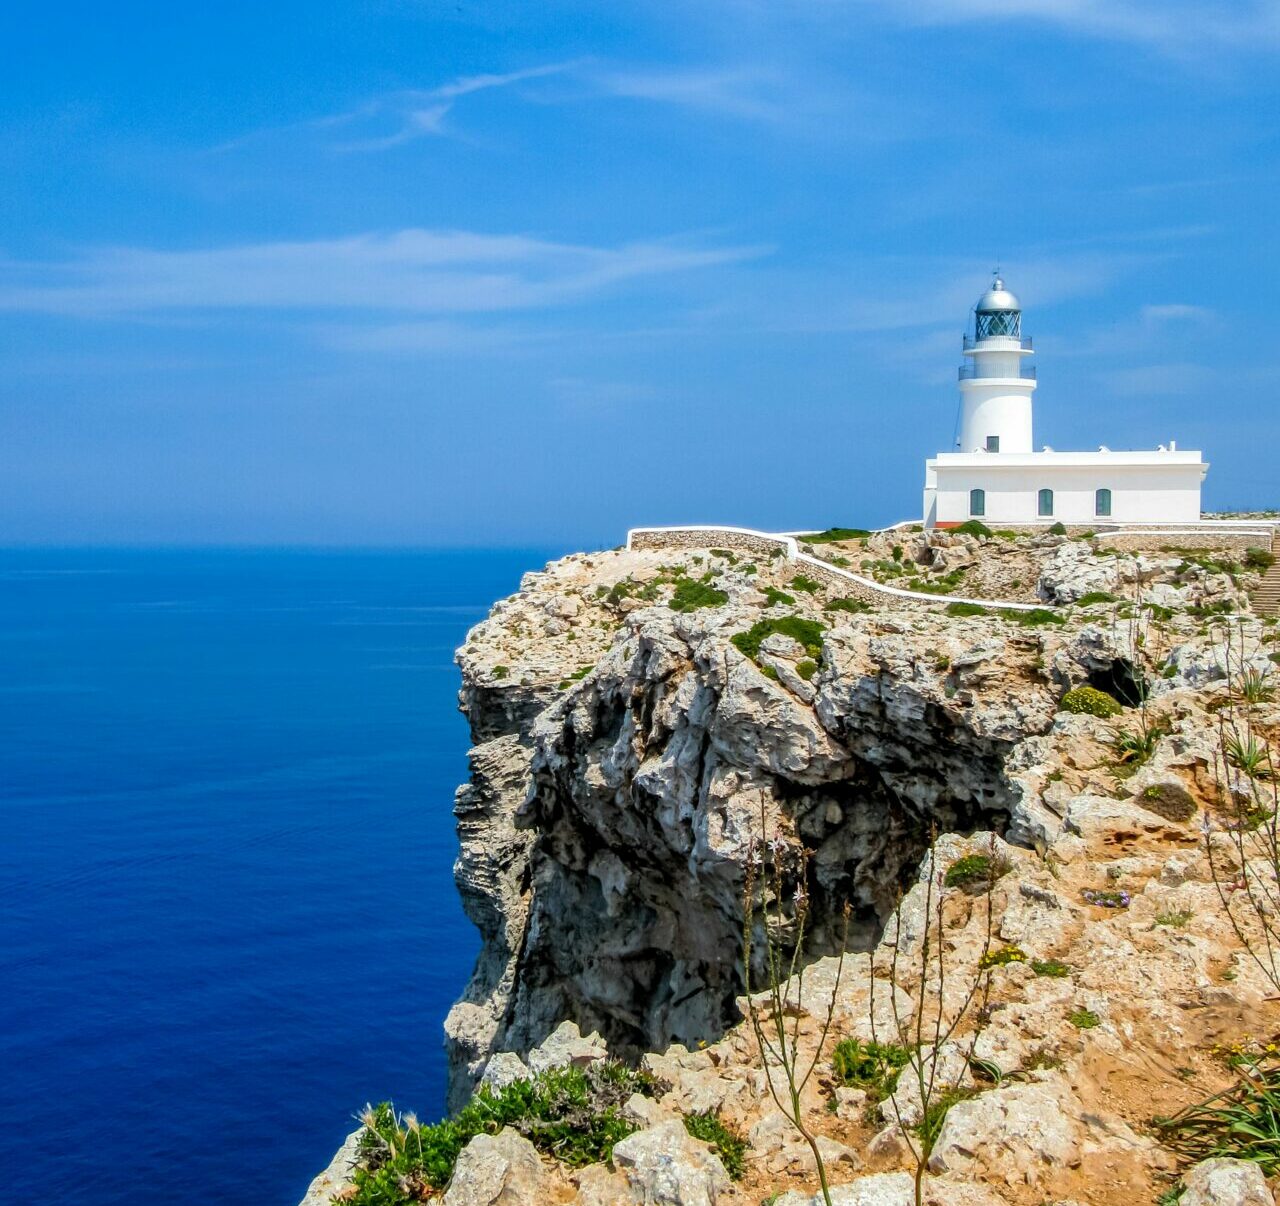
[227, 916]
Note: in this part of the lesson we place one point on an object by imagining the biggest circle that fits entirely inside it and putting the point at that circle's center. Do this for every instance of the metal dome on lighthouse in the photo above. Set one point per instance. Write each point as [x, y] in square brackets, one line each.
[998, 312]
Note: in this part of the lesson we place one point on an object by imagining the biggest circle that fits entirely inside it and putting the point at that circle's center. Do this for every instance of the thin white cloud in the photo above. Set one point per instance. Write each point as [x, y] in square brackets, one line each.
[1176, 26]
[735, 92]
[411, 271]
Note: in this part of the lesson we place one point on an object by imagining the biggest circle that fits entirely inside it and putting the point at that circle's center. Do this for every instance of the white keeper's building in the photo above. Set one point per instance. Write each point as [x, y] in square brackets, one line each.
[995, 474]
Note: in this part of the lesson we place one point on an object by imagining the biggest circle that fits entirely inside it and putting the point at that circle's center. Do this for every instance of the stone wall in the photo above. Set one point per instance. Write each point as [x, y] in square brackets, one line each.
[709, 538]
[1153, 542]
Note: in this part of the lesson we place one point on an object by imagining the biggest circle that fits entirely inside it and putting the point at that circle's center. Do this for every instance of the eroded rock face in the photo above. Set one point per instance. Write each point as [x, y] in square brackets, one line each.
[624, 765]
[1226, 1183]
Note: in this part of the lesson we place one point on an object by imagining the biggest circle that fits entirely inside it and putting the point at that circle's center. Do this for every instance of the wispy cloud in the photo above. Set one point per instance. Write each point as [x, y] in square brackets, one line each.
[1176, 26]
[412, 271]
[739, 92]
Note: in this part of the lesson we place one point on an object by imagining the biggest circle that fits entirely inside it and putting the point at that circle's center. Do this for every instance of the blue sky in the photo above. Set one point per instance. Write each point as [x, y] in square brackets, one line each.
[477, 273]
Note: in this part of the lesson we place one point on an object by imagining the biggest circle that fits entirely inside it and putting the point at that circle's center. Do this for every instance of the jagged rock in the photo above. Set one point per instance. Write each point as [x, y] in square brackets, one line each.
[498, 1170]
[665, 1166]
[1225, 1182]
[504, 1068]
[566, 1047]
[337, 1176]
[879, 1189]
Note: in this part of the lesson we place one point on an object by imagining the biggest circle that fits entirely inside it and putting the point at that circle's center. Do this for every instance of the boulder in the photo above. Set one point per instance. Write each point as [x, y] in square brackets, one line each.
[504, 1068]
[337, 1176]
[498, 1170]
[1225, 1182]
[665, 1166]
[565, 1047]
[879, 1189]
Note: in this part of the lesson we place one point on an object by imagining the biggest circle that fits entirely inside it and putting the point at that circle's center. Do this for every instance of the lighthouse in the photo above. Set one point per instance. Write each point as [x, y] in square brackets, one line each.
[995, 475]
[997, 380]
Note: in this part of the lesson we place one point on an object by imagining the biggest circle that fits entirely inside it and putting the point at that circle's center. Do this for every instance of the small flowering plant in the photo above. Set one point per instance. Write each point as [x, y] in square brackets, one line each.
[1003, 957]
[1106, 898]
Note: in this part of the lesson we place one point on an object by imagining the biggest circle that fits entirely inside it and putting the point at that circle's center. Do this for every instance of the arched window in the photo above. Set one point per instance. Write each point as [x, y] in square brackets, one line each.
[1102, 502]
[1044, 503]
[977, 502]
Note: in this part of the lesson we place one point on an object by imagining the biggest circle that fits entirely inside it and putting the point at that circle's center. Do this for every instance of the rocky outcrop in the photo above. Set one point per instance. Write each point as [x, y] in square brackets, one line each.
[627, 754]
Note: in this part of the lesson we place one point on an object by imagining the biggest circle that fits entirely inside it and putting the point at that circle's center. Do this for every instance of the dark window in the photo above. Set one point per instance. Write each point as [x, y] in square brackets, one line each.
[1044, 504]
[993, 443]
[1102, 502]
[999, 322]
[977, 502]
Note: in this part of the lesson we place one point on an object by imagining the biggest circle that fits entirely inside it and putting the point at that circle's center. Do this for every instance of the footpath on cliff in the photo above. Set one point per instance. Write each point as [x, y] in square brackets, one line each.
[1033, 856]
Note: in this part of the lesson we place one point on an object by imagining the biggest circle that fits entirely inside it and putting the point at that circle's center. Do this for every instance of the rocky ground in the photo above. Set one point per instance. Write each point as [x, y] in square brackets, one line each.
[644, 721]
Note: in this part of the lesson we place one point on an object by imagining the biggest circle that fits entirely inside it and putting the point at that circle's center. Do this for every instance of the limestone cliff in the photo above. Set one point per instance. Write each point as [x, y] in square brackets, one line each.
[626, 750]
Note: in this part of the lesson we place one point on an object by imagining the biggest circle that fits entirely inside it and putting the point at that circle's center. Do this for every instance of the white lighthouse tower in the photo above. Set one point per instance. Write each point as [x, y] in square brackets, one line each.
[997, 384]
[995, 475]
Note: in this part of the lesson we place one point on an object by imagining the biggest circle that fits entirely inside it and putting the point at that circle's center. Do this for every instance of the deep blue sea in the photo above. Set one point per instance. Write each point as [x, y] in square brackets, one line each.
[227, 914]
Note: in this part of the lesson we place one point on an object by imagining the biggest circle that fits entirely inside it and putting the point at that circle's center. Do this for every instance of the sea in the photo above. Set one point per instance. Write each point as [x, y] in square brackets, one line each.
[227, 912]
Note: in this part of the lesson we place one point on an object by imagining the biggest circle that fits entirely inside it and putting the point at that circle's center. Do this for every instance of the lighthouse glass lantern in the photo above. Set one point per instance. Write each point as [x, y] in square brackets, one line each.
[998, 314]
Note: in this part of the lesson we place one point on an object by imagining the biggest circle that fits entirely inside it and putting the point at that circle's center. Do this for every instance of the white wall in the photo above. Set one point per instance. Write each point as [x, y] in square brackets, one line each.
[998, 410]
[1139, 493]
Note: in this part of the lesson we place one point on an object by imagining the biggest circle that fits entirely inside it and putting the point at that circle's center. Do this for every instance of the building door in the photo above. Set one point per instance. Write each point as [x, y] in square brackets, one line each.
[977, 502]
[1102, 502]
[1044, 503]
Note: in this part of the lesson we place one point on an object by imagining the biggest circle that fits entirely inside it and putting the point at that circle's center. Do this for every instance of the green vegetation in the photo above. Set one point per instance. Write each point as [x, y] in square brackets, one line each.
[874, 1067]
[1255, 686]
[1249, 755]
[1134, 747]
[943, 585]
[1089, 701]
[1053, 968]
[1006, 534]
[576, 677]
[832, 535]
[773, 596]
[1240, 1123]
[728, 555]
[966, 609]
[690, 595]
[1096, 596]
[1036, 617]
[975, 870]
[810, 586]
[1174, 917]
[1259, 559]
[730, 1146]
[1058, 529]
[806, 669]
[1002, 957]
[1084, 1019]
[972, 527]
[571, 1114]
[807, 632]
[501, 671]
[930, 1126]
[854, 606]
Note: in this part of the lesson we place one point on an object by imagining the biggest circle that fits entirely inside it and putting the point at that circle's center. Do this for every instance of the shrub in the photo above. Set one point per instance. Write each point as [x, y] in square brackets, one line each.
[1058, 529]
[1084, 1019]
[773, 596]
[501, 671]
[1036, 617]
[1003, 957]
[854, 606]
[576, 677]
[1089, 701]
[1096, 596]
[1050, 967]
[972, 527]
[831, 535]
[1259, 559]
[966, 609]
[874, 1067]
[807, 632]
[570, 1113]
[1174, 917]
[975, 869]
[806, 669]
[809, 585]
[730, 1146]
[690, 595]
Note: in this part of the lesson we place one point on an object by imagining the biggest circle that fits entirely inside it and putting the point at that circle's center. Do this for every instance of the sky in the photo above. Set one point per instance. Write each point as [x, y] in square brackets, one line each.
[499, 273]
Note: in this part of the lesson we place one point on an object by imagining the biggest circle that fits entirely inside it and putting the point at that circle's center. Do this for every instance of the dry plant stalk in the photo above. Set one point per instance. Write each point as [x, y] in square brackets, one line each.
[926, 1031]
[1248, 793]
[771, 865]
